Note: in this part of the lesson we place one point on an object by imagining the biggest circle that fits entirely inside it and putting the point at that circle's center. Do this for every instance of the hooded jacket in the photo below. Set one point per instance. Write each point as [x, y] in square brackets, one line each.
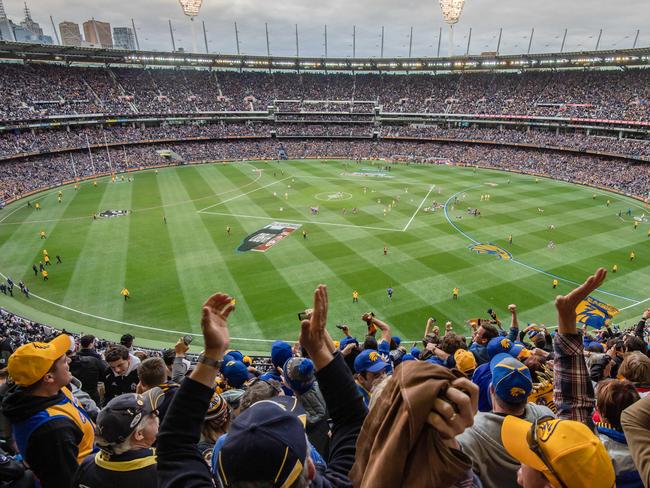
[482, 443]
[126, 383]
[51, 441]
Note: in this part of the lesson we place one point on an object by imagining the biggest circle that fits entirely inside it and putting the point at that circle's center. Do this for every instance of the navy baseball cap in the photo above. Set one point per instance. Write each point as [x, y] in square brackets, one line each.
[266, 442]
[119, 418]
[369, 360]
[511, 379]
[498, 345]
[235, 372]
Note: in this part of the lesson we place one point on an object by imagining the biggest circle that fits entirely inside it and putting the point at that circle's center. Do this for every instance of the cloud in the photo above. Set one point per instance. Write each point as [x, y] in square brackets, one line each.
[583, 18]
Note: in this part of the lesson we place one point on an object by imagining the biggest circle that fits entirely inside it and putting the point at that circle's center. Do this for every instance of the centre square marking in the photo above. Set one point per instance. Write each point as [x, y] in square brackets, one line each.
[333, 196]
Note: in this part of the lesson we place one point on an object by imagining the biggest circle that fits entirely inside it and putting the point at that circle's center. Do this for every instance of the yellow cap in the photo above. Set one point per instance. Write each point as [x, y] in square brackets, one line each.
[29, 363]
[465, 360]
[571, 449]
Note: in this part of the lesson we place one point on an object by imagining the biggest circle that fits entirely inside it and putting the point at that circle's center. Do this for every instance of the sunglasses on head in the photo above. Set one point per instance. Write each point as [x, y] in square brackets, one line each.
[533, 445]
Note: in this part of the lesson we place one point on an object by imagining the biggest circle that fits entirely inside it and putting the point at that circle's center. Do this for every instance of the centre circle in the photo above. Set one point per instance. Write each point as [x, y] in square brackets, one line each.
[333, 196]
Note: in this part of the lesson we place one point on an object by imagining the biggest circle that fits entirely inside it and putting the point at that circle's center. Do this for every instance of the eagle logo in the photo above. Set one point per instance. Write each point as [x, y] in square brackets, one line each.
[491, 249]
[515, 391]
[505, 343]
[373, 356]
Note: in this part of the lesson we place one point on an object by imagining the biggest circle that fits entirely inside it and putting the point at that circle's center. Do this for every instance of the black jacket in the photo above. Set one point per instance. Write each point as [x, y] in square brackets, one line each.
[132, 469]
[89, 352]
[180, 464]
[52, 448]
[89, 370]
[117, 385]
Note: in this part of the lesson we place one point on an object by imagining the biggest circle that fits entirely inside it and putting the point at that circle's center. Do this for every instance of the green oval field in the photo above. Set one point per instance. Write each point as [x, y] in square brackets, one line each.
[171, 268]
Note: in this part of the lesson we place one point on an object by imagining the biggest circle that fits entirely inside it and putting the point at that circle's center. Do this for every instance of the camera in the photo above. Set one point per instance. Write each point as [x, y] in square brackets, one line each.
[187, 339]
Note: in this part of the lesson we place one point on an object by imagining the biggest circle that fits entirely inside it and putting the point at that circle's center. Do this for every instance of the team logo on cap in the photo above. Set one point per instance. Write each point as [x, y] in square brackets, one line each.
[491, 249]
[230, 363]
[515, 391]
[505, 343]
[373, 356]
[545, 430]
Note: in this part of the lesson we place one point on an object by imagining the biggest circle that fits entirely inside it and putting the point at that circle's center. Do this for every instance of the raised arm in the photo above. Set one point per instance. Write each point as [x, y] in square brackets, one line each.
[573, 392]
[179, 463]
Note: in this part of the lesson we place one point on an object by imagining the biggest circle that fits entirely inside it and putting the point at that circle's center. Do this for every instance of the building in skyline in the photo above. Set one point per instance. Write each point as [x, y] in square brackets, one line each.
[27, 31]
[70, 33]
[98, 33]
[123, 38]
[29, 24]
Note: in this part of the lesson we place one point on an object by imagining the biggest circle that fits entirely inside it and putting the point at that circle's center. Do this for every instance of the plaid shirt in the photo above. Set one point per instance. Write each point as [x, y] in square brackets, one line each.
[573, 392]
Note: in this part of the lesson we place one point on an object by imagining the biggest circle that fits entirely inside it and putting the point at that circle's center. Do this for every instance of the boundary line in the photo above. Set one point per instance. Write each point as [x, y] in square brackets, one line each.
[130, 324]
[516, 261]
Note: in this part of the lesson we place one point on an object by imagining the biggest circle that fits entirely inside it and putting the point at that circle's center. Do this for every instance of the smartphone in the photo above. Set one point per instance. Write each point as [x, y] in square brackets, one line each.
[187, 339]
[303, 316]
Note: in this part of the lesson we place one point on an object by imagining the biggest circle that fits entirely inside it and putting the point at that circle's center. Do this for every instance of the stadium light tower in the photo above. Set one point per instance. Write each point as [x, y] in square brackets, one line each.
[451, 10]
[191, 9]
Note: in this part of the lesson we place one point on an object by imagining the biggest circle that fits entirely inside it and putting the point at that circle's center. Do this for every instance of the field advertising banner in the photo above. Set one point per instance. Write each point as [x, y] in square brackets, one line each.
[268, 236]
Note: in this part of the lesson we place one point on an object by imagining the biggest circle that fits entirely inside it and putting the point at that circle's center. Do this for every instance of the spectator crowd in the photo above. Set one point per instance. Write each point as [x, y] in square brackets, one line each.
[21, 176]
[34, 91]
[513, 405]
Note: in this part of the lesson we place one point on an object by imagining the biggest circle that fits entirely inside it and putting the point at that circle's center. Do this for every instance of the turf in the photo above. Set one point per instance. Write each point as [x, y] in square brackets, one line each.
[170, 269]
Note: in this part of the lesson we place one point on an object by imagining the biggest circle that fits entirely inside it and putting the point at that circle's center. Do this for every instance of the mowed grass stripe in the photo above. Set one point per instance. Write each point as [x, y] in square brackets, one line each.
[151, 265]
[99, 272]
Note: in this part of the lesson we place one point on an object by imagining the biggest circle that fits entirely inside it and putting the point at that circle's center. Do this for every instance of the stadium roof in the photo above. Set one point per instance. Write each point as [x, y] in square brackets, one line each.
[482, 62]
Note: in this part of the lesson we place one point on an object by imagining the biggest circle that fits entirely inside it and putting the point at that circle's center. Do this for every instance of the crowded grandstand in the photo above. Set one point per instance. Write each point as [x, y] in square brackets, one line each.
[488, 402]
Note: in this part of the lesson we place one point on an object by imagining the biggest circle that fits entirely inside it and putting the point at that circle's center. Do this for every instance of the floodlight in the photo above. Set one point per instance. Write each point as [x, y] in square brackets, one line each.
[191, 7]
[451, 10]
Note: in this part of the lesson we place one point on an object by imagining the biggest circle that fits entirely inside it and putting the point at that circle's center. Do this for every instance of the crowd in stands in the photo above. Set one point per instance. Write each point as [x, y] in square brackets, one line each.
[22, 176]
[42, 90]
[513, 405]
[28, 142]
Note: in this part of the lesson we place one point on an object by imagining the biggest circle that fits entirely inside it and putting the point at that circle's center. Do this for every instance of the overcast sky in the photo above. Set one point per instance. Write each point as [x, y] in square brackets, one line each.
[618, 19]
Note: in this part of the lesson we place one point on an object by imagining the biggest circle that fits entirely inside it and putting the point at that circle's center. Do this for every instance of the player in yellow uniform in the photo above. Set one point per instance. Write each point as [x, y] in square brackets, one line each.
[455, 293]
[608, 203]
[615, 268]
[555, 283]
[44, 252]
[648, 232]
[42, 234]
[355, 296]
[632, 256]
[44, 273]
[94, 183]
[58, 199]
[510, 239]
[636, 224]
[46, 260]
[125, 293]
[385, 250]
[37, 206]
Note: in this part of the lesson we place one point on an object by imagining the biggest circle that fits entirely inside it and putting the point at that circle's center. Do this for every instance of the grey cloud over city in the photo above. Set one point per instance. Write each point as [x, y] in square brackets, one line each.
[583, 18]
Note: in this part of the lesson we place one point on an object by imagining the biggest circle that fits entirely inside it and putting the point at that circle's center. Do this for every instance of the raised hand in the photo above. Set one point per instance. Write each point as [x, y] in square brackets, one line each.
[566, 304]
[214, 324]
[452, 415]
[313, 333]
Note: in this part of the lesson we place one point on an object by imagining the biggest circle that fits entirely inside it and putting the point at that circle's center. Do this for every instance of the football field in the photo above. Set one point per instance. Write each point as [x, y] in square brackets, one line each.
[294, 224]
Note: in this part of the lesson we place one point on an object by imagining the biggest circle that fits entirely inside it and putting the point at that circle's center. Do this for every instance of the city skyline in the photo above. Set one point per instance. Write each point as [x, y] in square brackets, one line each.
[584, 19]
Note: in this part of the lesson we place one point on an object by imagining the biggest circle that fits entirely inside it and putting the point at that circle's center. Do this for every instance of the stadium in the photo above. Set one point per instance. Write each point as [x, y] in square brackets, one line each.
[445, 201]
